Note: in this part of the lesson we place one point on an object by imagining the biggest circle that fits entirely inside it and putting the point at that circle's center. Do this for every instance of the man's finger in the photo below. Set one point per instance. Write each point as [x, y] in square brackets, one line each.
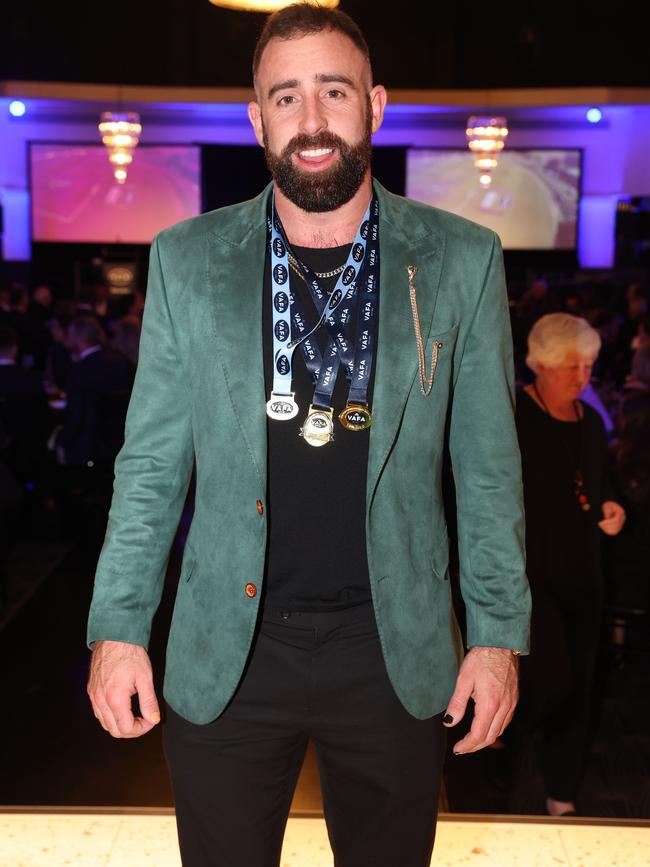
[120, 705]
[483, 716]
[106, 718]
[457, 703]
[498, 723]
[508, 719]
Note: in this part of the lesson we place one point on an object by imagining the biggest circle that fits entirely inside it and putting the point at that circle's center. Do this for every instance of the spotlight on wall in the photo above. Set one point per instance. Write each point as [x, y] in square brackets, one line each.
[594, 115]
[17, 108]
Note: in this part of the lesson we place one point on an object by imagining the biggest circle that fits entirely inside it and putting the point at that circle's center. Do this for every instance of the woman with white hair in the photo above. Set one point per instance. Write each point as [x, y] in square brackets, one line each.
[568, 505]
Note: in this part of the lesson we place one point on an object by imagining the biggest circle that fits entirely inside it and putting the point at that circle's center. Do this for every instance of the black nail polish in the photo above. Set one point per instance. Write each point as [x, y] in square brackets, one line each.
[447, 718]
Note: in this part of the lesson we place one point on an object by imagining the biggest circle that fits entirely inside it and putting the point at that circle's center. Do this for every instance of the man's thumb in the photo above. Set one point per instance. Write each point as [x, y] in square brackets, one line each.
[455, 709]
[148, 703]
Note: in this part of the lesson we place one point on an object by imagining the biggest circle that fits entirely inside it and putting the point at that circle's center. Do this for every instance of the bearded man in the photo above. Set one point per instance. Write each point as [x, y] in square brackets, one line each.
[312, 350]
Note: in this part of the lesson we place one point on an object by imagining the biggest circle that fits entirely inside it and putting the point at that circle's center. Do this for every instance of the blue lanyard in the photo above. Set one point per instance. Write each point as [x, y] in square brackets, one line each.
[291, 329]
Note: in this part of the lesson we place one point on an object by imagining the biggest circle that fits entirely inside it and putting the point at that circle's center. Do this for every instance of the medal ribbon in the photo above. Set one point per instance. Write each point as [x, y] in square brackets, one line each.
[361, 268]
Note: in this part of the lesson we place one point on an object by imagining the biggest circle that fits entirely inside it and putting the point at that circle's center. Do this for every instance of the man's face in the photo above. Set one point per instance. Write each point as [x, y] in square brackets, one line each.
[314, 117]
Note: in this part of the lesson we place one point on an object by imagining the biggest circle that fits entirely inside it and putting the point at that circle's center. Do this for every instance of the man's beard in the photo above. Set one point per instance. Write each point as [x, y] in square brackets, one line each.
[325, 190]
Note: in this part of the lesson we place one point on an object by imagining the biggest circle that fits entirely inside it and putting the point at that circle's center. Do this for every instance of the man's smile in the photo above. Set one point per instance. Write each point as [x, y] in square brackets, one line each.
[315, 157]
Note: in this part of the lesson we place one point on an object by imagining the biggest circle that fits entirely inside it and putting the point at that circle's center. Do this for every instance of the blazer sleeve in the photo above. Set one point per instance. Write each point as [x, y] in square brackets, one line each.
[487, 473]
[152, 473]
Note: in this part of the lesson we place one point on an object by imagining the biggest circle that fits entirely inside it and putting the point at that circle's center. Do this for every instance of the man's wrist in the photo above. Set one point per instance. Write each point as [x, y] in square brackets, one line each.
[510, 650]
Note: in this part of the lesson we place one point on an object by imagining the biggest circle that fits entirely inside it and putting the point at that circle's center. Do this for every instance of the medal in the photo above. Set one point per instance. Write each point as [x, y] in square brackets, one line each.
[355, 417]
[318, 428]
[281, 407]
[356, 287]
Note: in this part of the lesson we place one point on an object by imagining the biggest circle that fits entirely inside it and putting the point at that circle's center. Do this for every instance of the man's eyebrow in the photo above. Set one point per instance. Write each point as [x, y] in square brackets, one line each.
[321, 78]
[283, 85]
[325, 78]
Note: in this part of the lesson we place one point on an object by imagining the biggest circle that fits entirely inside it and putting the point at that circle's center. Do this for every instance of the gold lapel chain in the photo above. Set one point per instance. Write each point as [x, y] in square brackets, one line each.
[426, 382]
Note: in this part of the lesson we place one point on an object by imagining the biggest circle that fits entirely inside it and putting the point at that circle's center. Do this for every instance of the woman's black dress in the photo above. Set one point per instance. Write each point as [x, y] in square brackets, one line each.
[563, 566]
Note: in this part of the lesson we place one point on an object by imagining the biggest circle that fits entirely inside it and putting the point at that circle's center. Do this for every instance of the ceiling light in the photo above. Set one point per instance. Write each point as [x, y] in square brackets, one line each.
[17, 108]
[486, 138]
[120, 133]
[267, 5]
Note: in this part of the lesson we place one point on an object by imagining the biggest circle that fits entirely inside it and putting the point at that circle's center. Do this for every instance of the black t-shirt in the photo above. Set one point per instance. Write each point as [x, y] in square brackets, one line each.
[316, 498]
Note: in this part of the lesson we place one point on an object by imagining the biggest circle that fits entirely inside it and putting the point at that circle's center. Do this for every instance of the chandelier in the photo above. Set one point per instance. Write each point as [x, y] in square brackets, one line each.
[486, 137]
[120, 132]
[267, 5]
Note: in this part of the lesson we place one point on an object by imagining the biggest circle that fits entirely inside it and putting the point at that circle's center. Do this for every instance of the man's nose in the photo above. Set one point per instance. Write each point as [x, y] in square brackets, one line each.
[313, 118]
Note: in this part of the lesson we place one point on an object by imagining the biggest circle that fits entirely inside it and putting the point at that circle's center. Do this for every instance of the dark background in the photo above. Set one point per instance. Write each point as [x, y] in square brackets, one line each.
[421, 44]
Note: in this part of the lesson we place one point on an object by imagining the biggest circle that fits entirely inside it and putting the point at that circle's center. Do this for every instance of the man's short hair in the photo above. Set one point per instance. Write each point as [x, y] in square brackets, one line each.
[302, 19]
[88, 330]
[8, 341]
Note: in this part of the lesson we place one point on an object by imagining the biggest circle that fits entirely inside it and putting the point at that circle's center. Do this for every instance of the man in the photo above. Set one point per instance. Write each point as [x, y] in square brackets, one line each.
[23, 413]
[338, 526]
[98, 389]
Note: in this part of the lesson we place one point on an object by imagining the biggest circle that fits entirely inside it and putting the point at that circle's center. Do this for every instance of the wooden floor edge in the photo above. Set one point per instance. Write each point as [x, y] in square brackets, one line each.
[486, 818]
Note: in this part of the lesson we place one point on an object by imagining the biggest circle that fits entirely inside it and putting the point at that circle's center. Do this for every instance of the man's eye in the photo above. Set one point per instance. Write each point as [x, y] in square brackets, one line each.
[286, 100]
[335, 94]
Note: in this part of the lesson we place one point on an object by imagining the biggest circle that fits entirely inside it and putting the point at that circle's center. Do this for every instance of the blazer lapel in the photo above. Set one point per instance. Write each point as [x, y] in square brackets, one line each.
[404, 240]
[236, 256]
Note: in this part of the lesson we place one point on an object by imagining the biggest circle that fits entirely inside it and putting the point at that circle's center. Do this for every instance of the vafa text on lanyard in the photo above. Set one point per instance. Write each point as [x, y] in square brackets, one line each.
[357, 283]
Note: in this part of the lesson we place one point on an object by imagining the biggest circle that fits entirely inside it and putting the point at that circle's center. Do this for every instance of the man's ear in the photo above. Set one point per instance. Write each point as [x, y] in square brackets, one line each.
[255, 117]
[378, 100]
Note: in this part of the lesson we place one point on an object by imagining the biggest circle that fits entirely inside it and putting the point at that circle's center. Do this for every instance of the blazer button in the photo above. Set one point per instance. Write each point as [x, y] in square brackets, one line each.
[250, 590]
[260, 507]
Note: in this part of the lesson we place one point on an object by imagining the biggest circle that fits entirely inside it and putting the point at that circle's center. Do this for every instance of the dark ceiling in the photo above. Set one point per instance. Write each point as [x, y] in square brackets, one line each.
[530, 43]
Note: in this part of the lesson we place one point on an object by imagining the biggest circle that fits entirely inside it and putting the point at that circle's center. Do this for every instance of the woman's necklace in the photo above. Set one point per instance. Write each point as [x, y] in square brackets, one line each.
[579, 488]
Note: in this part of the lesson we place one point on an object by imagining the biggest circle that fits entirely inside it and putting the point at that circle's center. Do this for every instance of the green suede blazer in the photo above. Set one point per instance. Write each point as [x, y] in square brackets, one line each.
[199, 396]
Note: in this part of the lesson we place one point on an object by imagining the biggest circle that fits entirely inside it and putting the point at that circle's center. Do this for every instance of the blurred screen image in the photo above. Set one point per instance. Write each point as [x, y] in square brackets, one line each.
[531, 203]
[75, 197]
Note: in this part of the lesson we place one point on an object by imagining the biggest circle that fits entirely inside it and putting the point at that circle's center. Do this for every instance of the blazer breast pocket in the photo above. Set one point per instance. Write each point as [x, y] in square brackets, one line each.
[437, 363]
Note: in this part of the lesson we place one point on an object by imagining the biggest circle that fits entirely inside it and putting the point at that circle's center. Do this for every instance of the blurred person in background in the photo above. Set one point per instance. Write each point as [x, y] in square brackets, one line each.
[96, 376]
[568, 506]
[136, 307]
[126, 338]
[58, 360]
[19, 321]
[536, 301]
[642, 337]
[628, 553]
[639, 377]
[636, 313]
[23, 411]
[38, 338]
[5, 305]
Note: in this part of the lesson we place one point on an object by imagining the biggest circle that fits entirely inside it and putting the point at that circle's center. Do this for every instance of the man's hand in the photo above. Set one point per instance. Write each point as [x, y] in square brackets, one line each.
[613, 518]
[118, 671]
[489, 675]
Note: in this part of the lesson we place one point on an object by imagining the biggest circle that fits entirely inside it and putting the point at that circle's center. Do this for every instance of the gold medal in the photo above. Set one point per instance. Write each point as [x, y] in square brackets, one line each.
[356, 416]
[318, 428]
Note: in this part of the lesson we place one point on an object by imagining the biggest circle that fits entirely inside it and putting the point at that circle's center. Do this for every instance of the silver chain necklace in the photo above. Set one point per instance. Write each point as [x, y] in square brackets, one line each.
[322, 274]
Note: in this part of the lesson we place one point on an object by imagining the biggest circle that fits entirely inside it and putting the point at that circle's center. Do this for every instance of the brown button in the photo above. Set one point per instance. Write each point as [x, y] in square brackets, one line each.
[260, 507]
[250, 590]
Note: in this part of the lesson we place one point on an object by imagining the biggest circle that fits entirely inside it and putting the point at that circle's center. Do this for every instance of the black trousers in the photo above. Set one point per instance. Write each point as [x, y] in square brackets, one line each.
[318, 676]
[557, 681]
